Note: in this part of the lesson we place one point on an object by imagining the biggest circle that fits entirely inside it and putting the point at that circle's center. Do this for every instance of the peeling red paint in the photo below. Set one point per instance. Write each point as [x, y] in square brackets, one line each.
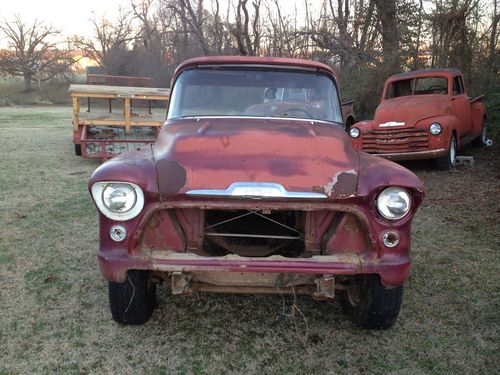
[171, 176]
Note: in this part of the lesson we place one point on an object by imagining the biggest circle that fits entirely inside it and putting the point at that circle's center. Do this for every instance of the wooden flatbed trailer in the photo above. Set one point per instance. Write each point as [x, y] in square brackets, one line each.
[103, 133]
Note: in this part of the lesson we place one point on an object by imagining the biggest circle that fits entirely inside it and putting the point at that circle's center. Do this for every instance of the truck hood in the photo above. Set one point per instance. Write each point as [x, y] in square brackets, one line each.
[409, 110]
[213, 153]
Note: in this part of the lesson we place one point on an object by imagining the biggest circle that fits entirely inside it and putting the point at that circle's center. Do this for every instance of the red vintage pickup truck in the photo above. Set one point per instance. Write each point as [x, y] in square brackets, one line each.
[423, 114]
[253, 187]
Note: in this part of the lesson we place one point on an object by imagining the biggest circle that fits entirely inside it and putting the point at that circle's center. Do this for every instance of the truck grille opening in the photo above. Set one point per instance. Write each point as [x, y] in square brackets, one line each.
[395, 140]
[254, 233]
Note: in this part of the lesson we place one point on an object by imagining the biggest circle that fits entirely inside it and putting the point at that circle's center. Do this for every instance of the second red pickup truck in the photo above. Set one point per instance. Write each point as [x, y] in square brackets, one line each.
[424, 114]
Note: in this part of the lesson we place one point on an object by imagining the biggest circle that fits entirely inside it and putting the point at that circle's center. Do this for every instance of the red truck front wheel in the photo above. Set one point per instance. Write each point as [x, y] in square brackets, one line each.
[133, 301]
[369, 304]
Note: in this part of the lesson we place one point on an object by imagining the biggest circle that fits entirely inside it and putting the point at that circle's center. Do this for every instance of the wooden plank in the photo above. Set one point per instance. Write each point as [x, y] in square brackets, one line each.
[111, 96]
[119, 123]
[126, 110]
[103, 91]
[76, 112]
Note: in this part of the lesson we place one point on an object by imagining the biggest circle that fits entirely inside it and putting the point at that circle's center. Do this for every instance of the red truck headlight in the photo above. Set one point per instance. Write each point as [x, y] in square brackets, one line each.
[393, 203]
[435, 128]
[118, 200]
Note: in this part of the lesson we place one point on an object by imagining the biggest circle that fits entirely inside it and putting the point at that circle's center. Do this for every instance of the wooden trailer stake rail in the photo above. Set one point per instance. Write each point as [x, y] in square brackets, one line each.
[129, 117]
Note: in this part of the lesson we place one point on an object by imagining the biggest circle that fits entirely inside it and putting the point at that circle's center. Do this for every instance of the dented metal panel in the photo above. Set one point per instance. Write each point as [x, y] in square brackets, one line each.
[212, 154]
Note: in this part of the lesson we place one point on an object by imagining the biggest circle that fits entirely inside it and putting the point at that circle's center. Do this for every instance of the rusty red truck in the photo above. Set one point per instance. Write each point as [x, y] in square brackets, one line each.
[424, 114]
[253, 187]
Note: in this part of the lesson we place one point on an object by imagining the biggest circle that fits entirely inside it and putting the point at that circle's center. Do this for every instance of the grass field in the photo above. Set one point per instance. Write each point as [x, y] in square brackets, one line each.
[54, 315]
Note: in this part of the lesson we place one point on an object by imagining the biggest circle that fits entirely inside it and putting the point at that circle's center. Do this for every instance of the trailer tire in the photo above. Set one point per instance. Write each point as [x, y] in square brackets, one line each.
[133, 301]
[78, 150]
[370, 304]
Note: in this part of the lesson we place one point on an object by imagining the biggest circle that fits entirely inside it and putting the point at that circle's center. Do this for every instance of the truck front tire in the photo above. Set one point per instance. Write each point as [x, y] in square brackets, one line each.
[133, 301]
[369, 304]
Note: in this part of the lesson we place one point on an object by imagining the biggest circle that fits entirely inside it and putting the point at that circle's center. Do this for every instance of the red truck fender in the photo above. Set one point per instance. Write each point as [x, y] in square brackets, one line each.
[449, 123]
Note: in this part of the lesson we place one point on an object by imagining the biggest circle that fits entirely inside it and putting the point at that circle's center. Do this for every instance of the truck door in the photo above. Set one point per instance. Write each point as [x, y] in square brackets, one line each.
[461, 107]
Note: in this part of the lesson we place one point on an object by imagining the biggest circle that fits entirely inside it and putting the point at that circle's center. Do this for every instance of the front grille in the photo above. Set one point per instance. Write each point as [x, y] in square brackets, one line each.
[252, 233]
[395, 140]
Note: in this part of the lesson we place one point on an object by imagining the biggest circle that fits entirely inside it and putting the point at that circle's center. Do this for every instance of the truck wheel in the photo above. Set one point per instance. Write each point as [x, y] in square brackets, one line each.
[446, 162]
[483, 137]
[370, 304]
[133, 301]
[78, 150]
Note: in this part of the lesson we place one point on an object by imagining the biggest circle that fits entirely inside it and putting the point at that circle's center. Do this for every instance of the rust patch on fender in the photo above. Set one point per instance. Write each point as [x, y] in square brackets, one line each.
[342, 185]
[171, 176]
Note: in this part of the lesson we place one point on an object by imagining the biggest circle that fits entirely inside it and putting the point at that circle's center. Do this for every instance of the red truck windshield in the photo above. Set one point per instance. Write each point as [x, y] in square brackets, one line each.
[244, 91]
[417, 86]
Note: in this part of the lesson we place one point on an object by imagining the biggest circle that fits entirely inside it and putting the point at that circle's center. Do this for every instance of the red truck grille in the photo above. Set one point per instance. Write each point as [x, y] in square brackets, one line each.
[395, 140]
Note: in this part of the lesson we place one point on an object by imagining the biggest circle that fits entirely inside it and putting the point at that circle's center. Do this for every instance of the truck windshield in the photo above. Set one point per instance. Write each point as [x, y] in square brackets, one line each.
[243, 91]
[417, 86]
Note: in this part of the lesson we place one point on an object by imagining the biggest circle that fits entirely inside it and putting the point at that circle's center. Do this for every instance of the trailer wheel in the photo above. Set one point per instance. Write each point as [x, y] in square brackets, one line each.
[480, 141]
[369, 304]
[449, 160]
[78, 150]
[133, 301]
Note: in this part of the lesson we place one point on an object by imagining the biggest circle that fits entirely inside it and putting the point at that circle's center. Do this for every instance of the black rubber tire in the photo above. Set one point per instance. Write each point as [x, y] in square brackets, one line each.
[448, 161]
[78, 150]
[377, 307]
[483, 137]
[133, 301]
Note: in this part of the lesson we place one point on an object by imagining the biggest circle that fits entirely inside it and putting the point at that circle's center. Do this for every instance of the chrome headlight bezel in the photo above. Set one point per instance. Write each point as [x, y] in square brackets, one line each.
[435, 128]
[136, 194]
[389, 194]
[354, 132]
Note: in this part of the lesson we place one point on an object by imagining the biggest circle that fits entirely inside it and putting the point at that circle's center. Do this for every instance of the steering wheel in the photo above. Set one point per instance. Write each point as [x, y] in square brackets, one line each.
[309, 114]
[437, 88]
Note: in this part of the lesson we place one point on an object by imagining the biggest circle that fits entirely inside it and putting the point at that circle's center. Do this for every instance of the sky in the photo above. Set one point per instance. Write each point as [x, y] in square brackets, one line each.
[71, 17]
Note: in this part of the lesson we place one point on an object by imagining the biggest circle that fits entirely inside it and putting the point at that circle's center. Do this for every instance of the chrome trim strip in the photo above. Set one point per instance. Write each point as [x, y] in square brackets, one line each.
[391, 123]
[257, 190]
[311, 121]
[430, 152]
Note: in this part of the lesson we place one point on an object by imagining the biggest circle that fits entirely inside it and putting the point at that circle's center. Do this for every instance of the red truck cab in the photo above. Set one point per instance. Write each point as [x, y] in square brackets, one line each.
[423, 114]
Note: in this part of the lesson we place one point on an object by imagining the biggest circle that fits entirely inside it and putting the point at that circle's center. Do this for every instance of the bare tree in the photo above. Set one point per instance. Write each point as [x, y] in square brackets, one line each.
[247, 40]
[32, 52]
[386, 10]
[192, 15]
[110, 43]
[493, 40]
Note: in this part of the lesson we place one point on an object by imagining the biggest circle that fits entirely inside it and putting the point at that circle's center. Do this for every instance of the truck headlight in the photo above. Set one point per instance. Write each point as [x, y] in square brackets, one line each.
[393, 203]
[354, 132]
[118, 200]
[435, 128]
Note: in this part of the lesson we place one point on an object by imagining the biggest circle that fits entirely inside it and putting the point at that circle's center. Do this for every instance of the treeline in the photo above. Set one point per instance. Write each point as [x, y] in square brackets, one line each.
[364, 40]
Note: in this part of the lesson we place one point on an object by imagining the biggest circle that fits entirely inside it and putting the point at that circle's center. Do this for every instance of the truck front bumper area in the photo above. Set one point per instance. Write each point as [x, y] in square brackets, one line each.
[431, 154]
[393, 270]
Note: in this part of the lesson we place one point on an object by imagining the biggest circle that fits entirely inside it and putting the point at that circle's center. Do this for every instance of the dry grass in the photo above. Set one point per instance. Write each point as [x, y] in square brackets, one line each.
[53, 301]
